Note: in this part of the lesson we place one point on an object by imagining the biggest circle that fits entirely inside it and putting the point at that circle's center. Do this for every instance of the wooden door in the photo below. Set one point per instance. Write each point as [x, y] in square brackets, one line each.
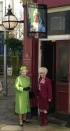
[62, 74]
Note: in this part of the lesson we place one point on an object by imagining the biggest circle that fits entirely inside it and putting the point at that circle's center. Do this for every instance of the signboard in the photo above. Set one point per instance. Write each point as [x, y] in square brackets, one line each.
[9, 71]
[36, 20]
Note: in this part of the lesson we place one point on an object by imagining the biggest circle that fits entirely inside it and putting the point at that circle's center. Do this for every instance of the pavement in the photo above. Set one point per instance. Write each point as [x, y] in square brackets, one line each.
[9, 120]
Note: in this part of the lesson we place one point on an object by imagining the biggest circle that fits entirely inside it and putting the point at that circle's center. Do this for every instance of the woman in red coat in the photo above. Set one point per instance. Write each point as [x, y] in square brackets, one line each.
[44, 96]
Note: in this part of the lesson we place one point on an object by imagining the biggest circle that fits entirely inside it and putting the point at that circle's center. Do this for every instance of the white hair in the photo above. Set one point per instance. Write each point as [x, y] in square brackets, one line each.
[43, 70]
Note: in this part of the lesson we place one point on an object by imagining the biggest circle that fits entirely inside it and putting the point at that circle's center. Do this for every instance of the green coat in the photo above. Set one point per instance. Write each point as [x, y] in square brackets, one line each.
[22, 103]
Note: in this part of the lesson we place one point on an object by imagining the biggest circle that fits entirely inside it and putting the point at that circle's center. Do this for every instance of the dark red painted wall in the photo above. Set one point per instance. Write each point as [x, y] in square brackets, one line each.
[54, 3]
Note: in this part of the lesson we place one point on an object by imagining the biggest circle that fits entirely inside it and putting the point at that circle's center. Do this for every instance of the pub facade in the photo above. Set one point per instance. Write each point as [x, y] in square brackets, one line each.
[52, 52]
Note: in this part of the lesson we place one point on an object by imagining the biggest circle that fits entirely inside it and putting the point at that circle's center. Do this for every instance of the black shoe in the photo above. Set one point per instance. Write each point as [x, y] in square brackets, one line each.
[26, 121]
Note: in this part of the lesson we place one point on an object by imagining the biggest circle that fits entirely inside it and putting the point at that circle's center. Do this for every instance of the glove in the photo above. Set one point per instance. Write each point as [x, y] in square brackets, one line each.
[26, 89]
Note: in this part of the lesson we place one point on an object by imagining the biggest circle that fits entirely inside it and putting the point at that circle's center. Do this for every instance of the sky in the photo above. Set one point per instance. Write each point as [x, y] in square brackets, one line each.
[18, 9]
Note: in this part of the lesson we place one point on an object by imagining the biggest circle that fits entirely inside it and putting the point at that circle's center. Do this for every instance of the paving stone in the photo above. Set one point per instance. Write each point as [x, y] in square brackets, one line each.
[9, 121]
[11, 128]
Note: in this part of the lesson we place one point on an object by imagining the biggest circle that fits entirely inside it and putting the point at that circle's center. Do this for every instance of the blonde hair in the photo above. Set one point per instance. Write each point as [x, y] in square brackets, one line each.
[43, 70]
[23, 68]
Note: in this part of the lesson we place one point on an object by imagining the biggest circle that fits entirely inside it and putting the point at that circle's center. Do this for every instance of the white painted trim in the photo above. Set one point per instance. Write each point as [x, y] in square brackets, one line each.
[39, 54]
[59, 9]
[55, 37]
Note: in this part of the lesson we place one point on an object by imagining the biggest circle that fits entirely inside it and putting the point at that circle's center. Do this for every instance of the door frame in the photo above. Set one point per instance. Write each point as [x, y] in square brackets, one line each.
[49, 38]
[52, 39]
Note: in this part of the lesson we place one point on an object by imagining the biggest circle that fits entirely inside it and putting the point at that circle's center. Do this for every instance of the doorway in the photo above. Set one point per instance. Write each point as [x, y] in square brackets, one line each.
[48, 59]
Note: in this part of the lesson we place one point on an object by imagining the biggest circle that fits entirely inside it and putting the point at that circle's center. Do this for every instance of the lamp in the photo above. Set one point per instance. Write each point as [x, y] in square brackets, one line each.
[9, 21]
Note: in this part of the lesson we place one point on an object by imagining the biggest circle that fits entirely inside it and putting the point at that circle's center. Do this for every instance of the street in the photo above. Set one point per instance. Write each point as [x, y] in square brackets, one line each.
[9, 120]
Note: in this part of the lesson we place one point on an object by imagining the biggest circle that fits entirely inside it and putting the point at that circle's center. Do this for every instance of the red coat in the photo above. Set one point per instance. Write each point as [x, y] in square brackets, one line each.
[45, 93]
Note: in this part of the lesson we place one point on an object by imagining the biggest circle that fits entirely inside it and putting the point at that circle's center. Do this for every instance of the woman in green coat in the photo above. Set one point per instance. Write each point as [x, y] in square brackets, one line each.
[22, 86]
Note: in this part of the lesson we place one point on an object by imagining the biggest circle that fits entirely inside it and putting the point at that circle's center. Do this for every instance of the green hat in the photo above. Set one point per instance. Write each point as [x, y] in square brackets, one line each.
[23, 68]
